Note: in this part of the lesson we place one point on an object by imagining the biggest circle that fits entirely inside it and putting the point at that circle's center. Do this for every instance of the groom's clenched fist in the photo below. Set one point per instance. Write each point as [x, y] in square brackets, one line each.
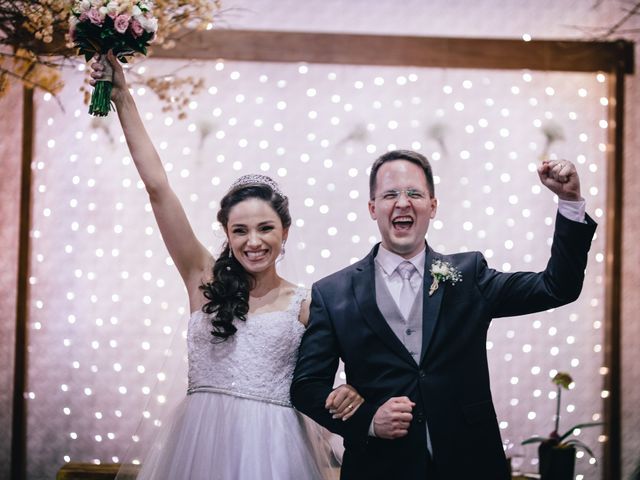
[561, 177]
[393, 418]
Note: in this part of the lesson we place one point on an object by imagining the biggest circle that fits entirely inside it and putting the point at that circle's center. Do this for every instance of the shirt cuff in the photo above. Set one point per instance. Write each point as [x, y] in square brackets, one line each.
[372, 431]
[572, 210]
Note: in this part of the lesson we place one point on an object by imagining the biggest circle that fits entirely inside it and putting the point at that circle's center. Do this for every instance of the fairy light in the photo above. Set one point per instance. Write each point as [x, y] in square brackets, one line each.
[121, 300]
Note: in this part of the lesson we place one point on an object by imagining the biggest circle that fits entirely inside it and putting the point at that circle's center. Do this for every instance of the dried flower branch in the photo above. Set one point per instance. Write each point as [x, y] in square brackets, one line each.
[616, 27]
[34, 46]
[606, 32]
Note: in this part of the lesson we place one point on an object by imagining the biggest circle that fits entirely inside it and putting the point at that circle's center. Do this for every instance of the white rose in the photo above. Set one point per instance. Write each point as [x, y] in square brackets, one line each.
[112, 7]
[136, 11]
[85, 5]
[103, 11]
[149, 24]
[439, 269]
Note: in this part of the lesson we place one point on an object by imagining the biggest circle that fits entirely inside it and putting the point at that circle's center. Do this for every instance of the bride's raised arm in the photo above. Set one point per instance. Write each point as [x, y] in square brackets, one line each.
[190, 257]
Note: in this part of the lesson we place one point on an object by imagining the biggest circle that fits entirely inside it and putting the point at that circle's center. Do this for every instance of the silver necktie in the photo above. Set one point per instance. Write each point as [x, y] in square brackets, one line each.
[407, 293]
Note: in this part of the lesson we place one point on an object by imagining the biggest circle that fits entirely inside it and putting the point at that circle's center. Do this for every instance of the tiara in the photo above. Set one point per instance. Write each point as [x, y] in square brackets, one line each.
[257, 179]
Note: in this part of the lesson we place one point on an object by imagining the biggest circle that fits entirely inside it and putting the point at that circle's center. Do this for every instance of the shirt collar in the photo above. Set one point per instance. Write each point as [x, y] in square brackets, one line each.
[389, 261]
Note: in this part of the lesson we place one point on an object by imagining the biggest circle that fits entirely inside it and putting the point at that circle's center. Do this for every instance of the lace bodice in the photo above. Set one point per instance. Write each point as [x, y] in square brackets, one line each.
[256, 362]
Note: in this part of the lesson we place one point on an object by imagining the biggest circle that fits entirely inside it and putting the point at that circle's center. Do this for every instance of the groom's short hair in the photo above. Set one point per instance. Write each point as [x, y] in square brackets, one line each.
[408, 155]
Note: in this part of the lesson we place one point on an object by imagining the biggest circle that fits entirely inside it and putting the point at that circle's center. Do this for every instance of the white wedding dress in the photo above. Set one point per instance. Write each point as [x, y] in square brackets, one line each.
[237, 422]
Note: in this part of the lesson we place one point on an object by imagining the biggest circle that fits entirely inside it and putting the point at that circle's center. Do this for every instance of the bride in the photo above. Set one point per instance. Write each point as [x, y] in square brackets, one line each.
[236, 421]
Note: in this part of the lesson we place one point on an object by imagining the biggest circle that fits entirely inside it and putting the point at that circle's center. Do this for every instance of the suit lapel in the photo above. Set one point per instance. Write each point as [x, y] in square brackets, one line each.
[364, 291]
[431, 304]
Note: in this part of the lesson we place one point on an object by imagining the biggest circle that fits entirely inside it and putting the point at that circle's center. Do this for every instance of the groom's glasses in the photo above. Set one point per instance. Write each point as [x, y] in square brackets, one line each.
[393, 195]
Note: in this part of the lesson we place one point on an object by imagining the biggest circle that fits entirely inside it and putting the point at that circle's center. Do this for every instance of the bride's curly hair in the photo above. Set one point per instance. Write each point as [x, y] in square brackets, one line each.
[228, 292]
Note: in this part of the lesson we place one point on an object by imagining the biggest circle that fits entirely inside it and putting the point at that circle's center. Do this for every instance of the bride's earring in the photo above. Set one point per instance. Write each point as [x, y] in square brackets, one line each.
[281, 255]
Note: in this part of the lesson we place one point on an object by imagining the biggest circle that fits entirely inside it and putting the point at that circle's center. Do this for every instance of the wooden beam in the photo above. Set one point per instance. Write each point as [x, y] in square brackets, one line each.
[612, 465]
[389, 50]
[19, 419]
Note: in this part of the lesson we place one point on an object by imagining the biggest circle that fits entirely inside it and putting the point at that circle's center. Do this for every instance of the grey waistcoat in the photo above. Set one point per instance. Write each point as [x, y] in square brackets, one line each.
[409, 331]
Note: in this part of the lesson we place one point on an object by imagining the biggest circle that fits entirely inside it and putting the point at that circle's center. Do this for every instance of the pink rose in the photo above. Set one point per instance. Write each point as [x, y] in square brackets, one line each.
[136, 28]
[121, 23]
[95, 16]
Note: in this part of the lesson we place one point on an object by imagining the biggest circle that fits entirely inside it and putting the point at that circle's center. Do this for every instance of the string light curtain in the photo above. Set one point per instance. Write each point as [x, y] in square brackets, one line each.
[106, 301]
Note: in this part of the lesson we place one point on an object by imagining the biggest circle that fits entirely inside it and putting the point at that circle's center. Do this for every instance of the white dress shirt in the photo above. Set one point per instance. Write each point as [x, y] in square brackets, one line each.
[572, 209]
[387, 263]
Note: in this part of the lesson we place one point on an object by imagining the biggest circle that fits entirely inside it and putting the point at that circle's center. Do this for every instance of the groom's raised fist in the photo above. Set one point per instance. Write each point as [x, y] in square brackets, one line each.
[561, 177]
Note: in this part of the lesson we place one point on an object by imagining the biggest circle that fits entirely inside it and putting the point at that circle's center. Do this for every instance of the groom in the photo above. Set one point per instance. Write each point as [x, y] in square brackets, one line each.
[411, 325]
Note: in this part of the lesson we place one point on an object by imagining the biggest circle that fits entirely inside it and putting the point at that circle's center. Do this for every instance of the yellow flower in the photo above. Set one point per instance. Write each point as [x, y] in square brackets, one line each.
[562, 379]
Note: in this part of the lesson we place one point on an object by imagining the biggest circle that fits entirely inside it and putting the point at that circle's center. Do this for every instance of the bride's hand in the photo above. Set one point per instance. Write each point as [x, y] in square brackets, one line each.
[98, 71]
[343, 402]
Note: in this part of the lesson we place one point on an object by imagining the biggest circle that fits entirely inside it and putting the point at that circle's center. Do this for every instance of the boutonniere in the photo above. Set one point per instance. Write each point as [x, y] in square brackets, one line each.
[443, 272]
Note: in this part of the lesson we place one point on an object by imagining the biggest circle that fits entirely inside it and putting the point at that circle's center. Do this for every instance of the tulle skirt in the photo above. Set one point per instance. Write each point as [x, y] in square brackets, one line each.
[214, 436]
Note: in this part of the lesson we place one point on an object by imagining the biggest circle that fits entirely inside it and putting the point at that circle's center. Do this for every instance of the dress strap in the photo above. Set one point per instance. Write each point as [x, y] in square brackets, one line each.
[299, 295]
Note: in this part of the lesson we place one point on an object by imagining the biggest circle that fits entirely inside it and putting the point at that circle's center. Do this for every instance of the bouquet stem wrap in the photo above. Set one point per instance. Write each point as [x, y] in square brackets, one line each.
[100, 105]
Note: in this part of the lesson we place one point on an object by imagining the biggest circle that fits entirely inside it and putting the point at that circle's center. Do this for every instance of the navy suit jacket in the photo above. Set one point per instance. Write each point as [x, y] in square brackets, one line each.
[450, 385]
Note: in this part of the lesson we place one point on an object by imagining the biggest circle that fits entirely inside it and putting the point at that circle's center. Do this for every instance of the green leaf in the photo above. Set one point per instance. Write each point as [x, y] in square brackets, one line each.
[580, 425]
[534, 439]
[579, 444]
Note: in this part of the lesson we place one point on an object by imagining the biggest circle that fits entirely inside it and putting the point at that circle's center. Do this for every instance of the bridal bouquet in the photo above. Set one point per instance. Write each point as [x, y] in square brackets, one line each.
[97, 26]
